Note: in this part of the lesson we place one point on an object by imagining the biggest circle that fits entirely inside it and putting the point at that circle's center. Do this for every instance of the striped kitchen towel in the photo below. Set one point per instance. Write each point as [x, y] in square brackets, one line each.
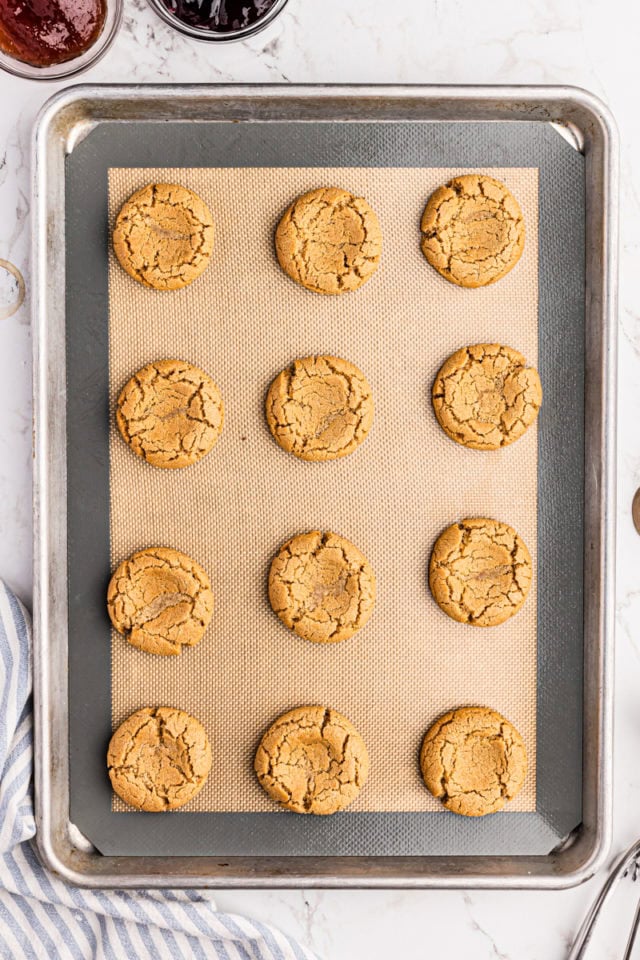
[42, 917]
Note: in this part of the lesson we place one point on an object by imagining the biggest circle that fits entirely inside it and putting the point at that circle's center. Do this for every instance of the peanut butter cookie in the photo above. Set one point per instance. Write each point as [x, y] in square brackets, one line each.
[170, 413]
[161, 600]
[322, 587]
[480, 572]
[485, 396]
[159, 759]
[163, 236]
[472, 230]
[329, 241]
[312, 760]
[320, 408]
[473, 760]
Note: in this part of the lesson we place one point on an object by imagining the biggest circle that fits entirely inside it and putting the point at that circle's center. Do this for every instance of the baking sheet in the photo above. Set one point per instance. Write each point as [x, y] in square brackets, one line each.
[400, 831]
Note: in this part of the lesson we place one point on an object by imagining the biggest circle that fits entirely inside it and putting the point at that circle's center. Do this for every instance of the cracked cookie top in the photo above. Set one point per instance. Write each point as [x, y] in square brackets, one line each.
[163, 236]
[472, 230]
[312, 760]
[473, 760]
[320, 408]
[159, 759]
[322, 587]
[485, 396]
[480, 572]
[170, 413]
[161, 600]
[329, 241]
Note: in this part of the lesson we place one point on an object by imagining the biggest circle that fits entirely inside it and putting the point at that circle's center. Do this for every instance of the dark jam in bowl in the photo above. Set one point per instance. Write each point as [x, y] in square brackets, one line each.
[219, 16]
[45, 32]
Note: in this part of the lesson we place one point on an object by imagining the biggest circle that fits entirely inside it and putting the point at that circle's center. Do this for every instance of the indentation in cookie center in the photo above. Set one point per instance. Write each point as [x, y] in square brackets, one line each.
[173, 413]
[167, 233]
[483, 761]
[330, 584]
[491, 404]
[322, 424]
[489, 573]
[158, 606]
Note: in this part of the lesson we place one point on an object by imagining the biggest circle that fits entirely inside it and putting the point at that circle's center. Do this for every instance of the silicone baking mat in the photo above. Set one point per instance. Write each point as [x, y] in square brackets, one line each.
[243, 321]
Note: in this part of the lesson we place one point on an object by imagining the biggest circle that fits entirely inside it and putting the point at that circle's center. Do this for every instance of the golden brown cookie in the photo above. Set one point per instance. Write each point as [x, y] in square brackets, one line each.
[320, 408]
[322, 587]
[163, 236]
[170, 413]
[312, 760]
[485, 396]
[161, 600]
[472, 230]
[159, 759]
[329, 241]
[473, 760]
[480, 572]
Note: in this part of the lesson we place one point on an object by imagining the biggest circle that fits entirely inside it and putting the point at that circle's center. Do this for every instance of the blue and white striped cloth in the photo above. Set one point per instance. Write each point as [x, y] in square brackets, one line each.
[42, 917]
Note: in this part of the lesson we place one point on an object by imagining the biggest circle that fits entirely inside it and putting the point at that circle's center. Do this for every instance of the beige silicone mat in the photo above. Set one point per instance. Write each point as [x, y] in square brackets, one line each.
[243, 321]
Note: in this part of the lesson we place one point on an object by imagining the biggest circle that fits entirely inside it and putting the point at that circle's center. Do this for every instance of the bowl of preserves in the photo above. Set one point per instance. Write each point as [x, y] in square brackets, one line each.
[51, 39]
[218, 20]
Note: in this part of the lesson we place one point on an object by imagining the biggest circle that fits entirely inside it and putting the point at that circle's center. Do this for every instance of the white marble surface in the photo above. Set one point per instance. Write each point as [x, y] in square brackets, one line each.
[582, 42]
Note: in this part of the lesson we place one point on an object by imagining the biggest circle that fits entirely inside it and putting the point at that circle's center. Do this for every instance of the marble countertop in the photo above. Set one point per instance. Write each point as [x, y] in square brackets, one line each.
[430, 41]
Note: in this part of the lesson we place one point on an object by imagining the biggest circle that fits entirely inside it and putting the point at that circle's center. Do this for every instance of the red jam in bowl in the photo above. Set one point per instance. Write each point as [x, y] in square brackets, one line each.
[219, 16]
[45, 32]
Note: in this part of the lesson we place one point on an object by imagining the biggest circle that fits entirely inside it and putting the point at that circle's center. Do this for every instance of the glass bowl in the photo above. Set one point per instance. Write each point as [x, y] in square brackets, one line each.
[219, 36]
[70, 68]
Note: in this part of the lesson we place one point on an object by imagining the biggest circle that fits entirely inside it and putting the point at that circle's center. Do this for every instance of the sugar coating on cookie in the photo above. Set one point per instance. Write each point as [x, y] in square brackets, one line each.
[320, 408]
[312, 760]
[329, 241]
[161, 600]
[480, 572]
[163, 236]
[472, 230]
[159, 759]
[473, 760]
[322, 587]
[170, 413]
[485, 396]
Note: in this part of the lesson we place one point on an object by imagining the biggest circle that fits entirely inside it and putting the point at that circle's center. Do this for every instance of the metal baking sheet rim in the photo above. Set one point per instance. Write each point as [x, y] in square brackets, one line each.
[63, 122]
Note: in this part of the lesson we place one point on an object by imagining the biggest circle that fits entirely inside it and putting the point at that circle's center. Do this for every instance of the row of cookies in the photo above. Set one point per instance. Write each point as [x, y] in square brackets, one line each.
[484, 396]
[328, 240]
[313, 760]
[320, 586]
[171, 413]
